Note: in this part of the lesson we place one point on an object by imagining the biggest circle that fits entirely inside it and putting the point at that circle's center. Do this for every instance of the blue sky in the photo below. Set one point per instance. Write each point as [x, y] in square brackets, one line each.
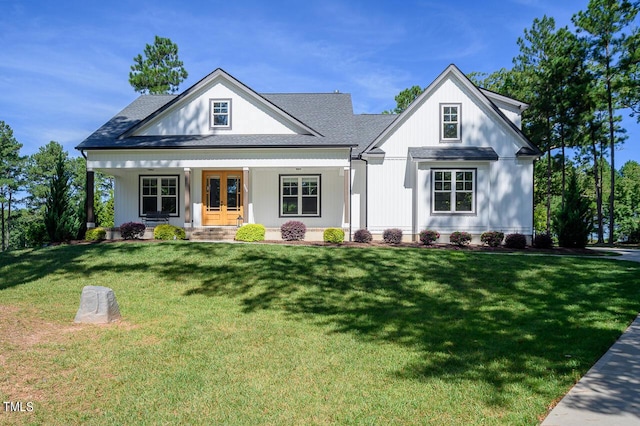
[64, 65]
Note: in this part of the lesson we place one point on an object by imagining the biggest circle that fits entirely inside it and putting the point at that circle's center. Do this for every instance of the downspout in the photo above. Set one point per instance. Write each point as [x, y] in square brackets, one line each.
[350, 194]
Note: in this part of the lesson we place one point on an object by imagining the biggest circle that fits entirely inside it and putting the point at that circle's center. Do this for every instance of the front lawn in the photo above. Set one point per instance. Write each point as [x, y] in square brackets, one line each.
[273, 334]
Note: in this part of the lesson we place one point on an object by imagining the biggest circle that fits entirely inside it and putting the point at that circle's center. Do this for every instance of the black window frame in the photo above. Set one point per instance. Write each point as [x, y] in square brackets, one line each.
[299, 195]
[159, 195]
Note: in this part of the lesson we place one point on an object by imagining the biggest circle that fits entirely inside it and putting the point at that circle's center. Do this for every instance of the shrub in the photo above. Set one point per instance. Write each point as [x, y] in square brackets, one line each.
[460, 238]
[333, 235]
[132, 230]
[516, 241]
[293, 231]
[251, 232]
[492, 238]
[573, 221]
[95, 234]
[392, 236]
[429, 237]
[362, 236]
[169, 232]
[543, 241]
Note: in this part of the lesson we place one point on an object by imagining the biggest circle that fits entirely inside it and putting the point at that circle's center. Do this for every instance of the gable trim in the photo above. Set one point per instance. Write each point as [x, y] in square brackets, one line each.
[219, 73]
[482, 97]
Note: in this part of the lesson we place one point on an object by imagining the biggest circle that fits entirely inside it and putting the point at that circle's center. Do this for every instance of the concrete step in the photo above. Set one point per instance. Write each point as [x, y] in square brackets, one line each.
[213, 234]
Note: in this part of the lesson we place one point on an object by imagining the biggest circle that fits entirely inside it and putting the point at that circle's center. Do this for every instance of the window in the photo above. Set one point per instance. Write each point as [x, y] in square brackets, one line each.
[299, 195]
[453, 191]
[220, 113]
[450, 119]
[159, 193]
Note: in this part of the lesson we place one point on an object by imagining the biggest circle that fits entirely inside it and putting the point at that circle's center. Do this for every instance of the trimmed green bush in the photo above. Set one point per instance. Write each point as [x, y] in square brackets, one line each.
[95, 234]
[516, 241]
[492, 238]
[460, 238]
[169, 232]
[392, 236]
[132, 230]
[251, 232]
[333, 235]
[362, 236]
[293, 230]
[429, 236]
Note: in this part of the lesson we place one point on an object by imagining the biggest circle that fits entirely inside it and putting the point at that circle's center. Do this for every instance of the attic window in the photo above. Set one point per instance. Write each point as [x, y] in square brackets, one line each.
[450, 122]
[220, 113]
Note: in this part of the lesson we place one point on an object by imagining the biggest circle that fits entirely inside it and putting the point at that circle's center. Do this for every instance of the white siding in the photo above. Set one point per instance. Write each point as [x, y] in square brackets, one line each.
[191, 116]
[358, 195]
[389, 201]
[264, 190]
[115, 161]
[127, 193]
[478, 128]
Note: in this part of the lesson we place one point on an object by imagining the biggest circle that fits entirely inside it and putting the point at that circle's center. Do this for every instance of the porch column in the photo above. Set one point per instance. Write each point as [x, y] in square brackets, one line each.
[245, 194]
[347, 198]
[91, 218]
[187, 198]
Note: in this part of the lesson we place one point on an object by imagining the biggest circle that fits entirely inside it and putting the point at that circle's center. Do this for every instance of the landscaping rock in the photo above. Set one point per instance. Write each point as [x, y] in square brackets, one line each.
[98, 305]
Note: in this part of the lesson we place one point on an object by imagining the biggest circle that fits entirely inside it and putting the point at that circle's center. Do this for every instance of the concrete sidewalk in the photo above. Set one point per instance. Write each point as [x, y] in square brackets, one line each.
[609, 394]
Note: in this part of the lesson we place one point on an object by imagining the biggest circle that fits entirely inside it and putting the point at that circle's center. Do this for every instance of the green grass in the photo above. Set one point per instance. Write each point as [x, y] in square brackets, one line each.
[271, 334]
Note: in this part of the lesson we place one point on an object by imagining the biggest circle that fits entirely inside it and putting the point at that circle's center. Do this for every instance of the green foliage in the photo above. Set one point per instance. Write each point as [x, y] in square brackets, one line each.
[460, 239]
[11, 167]
[392, 236]
[132, 230]
[628, 202]
[492, 238]
[160, 71]
[429, 236]
[543, 241]
[169, 232]
[333, 235]
[59, 220]
[405, 98]
[362, 236]
[95, 234]
[515, 241]
[251, 232]
[573, 221]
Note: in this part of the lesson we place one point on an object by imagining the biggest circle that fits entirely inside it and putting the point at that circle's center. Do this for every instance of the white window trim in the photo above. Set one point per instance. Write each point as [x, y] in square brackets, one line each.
[213, 126]
[453, 191]
[159, 195]
[458, 125]
[299, 195]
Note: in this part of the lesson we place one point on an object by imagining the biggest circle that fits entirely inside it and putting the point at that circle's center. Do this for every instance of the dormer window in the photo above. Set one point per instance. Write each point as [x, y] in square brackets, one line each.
[220, 113]
[450, 122]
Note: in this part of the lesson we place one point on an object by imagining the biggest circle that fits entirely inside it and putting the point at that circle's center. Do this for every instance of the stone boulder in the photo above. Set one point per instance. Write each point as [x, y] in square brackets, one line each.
[98, 305]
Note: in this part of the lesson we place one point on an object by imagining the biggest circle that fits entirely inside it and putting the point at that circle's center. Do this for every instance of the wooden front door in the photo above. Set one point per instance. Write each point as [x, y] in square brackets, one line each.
[222, 197]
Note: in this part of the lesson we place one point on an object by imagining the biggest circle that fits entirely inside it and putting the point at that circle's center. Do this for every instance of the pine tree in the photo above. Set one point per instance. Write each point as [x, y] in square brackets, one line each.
[160, 71]
[574, 220]
[58, 216]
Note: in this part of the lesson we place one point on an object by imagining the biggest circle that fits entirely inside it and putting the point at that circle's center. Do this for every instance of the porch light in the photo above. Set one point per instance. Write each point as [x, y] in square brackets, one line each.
[239, 221]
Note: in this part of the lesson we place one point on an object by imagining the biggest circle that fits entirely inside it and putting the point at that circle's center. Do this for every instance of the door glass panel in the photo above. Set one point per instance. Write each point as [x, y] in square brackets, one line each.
[233, 192]
[213, 193]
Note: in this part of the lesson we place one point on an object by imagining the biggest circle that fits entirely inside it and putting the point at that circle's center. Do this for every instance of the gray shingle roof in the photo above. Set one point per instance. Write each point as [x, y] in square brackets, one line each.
[330, 114]
[453, 153]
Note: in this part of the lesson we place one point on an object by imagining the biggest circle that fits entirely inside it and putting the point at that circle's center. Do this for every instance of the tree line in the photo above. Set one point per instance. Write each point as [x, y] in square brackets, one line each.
[578, 82]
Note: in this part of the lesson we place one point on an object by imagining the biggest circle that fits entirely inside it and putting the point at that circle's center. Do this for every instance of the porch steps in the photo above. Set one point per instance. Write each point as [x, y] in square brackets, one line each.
[213, 234]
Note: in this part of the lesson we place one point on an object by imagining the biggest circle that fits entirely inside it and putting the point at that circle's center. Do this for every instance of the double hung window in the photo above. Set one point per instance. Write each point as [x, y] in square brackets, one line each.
[450, 122]
[300, 195]
[159, 194]
[220, 110]
[454, 191]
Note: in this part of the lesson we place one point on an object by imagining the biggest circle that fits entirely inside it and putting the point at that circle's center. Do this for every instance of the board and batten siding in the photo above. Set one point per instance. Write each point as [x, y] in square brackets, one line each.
[127, 195]
[247, 116]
